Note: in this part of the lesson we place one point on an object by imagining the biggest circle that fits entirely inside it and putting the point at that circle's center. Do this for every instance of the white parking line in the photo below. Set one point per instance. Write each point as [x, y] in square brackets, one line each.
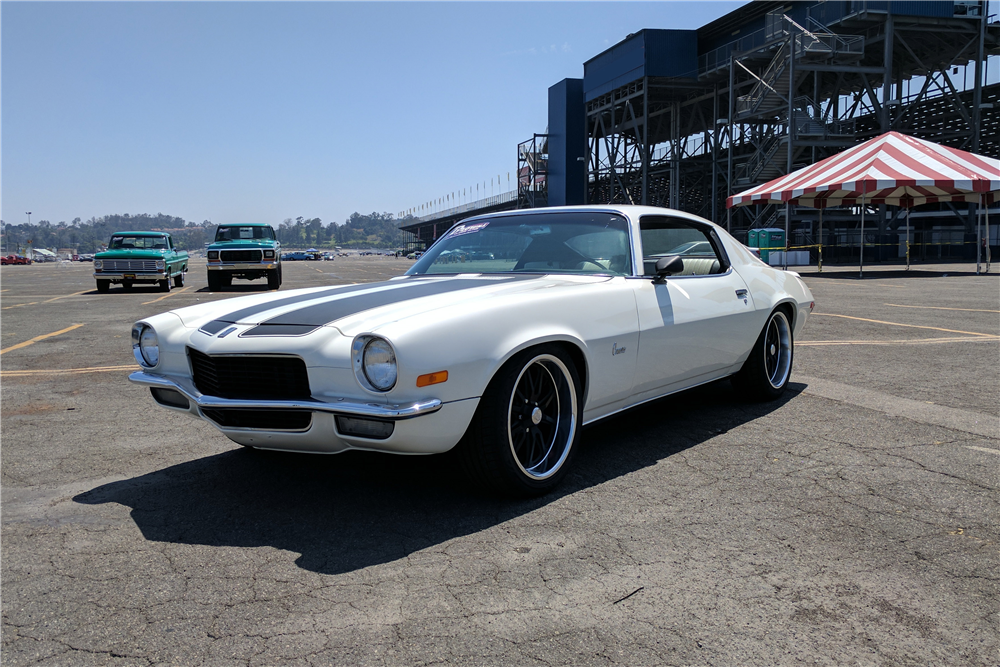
[983, 449]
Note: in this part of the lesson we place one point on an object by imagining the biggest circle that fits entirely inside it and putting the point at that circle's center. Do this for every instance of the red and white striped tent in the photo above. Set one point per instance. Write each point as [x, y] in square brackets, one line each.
[893, 169]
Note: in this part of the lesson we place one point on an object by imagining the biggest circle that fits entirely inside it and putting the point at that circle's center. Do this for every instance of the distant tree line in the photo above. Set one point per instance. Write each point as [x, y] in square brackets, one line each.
[375, 230]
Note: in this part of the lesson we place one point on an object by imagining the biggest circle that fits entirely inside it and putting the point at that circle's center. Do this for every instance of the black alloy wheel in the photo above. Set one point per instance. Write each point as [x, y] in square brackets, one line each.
[527, 425]
[765, 373]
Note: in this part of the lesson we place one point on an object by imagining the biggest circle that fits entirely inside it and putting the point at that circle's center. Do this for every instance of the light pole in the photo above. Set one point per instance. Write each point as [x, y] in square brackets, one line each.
[28, 213]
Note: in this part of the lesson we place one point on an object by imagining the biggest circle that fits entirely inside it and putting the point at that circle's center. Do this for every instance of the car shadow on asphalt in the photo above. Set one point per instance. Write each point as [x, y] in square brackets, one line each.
[249, 288]
[358, 509]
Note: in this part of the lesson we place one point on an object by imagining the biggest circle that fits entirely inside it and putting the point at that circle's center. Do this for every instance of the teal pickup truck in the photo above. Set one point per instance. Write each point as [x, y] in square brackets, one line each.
[248, 251]
[140, 257]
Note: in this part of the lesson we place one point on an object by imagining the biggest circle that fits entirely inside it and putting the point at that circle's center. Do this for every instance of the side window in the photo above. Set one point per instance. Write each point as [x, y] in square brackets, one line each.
[663, 236]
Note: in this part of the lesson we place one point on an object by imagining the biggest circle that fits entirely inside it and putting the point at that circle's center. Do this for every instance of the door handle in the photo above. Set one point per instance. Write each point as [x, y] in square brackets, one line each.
[743, 294]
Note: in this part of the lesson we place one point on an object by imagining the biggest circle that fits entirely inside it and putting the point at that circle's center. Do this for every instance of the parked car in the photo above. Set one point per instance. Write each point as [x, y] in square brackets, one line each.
[295, 256]
[505, 358]
[140, 257]
[247, 251]
[15, 259]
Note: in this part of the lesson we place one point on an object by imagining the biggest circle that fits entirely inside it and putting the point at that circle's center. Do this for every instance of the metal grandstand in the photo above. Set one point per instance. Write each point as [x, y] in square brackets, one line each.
[685, 118]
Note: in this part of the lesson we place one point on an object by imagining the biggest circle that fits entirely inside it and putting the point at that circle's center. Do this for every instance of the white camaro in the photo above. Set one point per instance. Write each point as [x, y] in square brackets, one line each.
[511, 332]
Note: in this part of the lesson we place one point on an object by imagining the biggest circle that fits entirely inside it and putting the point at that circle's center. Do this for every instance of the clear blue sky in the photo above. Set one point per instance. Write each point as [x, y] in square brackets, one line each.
[254, 111]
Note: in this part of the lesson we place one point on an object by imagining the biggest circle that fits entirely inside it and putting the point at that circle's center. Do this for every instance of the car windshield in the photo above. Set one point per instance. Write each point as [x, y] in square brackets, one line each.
[125, 242]
[248, 233]
[579, 242]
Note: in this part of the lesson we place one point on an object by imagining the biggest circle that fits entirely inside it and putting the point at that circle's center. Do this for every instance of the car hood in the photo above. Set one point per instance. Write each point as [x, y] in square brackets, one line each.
[364, 307]
[243, 244]
[132, 254]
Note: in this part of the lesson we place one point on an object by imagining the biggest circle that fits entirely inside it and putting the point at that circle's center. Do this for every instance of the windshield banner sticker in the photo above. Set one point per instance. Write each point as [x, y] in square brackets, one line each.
[467, 229]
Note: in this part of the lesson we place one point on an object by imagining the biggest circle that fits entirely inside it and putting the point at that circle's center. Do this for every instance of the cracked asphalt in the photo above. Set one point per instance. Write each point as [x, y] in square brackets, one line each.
[853, 522]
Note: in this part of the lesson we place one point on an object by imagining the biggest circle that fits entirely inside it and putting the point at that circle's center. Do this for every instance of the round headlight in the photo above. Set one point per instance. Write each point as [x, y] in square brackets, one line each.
[98, 263]
[379, 364]
[148, 346]
[160, 264]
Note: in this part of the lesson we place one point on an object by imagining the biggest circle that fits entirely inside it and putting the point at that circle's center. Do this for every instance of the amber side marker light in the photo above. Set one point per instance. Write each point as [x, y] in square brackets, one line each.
[432, 378]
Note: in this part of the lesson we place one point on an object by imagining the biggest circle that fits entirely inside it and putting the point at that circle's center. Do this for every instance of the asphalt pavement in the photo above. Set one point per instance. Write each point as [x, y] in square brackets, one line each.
[852, 522]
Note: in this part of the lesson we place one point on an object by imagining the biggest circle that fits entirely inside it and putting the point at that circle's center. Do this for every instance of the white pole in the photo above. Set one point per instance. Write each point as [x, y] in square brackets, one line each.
[907, 239]
[979, 234]
[861, 265]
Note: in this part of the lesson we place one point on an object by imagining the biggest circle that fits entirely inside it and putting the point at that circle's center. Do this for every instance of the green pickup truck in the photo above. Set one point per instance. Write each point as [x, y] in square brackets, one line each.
[247, 251]
[140, 257]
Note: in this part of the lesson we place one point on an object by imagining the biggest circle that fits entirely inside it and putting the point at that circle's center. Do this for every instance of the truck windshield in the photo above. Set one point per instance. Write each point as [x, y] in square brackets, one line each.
[141, 242]
[254, 233]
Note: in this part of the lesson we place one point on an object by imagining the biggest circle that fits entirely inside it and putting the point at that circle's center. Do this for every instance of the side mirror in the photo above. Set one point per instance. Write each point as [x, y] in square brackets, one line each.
[667, 266]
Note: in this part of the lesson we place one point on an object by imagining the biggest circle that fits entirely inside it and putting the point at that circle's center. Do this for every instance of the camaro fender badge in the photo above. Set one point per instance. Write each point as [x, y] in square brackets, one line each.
[615, 350]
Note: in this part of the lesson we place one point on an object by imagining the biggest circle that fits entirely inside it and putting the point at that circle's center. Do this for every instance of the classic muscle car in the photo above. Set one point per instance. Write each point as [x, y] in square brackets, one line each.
[247, 251]
[550, 319]
[140, 257]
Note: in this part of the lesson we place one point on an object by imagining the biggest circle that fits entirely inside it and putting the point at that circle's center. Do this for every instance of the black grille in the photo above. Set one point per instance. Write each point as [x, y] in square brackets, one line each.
[271, 420]
[250, 377]
[241, 255]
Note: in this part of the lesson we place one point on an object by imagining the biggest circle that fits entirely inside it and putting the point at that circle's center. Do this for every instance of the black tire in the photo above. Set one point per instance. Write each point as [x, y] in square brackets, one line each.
[279, 275]
[226, 279]
[127, 285]
[165, 285]
[496, 454]
[103, 285]
[273, 279]
[179, 279]
[214, 281]
[765, 373]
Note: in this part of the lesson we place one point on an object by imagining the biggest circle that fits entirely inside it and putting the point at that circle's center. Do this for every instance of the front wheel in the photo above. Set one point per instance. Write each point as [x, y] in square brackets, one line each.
[526, 426]
[165, 285]
[273, 279]
[765, 373]
[214, 281]
[179, 279]
[103, 285]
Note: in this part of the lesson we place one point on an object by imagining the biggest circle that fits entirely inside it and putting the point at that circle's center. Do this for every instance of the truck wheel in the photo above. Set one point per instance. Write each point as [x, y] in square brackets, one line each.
[179, 279]
[165, 285]
[103, 285]
[127, 285]
[214, 281]
[273, 279]
[227, 279]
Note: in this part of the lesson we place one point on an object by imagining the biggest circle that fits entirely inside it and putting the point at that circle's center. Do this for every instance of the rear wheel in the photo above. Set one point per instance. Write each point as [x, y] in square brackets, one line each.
[273, 279]
[526, 427]
[765, 373]
[103, 285]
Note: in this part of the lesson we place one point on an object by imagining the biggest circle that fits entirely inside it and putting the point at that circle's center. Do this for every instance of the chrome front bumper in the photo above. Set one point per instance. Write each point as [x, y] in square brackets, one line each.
[133, 275]
[338, 406]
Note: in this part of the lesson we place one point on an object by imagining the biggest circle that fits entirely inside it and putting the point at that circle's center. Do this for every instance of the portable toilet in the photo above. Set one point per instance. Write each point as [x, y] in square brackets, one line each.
[770, 239]
[752, 240]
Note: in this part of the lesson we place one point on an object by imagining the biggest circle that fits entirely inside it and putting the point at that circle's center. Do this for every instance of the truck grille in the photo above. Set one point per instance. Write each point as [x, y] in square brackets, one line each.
[119, 265]
[250, 377]
[240, 255]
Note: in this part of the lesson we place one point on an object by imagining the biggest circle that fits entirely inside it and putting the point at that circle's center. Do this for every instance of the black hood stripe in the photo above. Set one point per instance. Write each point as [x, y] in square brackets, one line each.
[217, 325]
[308, 319]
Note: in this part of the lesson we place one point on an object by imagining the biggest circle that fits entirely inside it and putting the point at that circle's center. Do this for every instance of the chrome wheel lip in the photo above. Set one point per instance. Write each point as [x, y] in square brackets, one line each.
[565, 417]
[778, 335]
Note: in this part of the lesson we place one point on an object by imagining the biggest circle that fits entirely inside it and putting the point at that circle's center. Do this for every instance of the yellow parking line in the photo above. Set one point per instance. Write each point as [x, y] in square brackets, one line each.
[38, 338]
[21, 305]
[69, 371]
[911, 326]
[165, 296]
[965, 310]
[64, 296]
[912, 341]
